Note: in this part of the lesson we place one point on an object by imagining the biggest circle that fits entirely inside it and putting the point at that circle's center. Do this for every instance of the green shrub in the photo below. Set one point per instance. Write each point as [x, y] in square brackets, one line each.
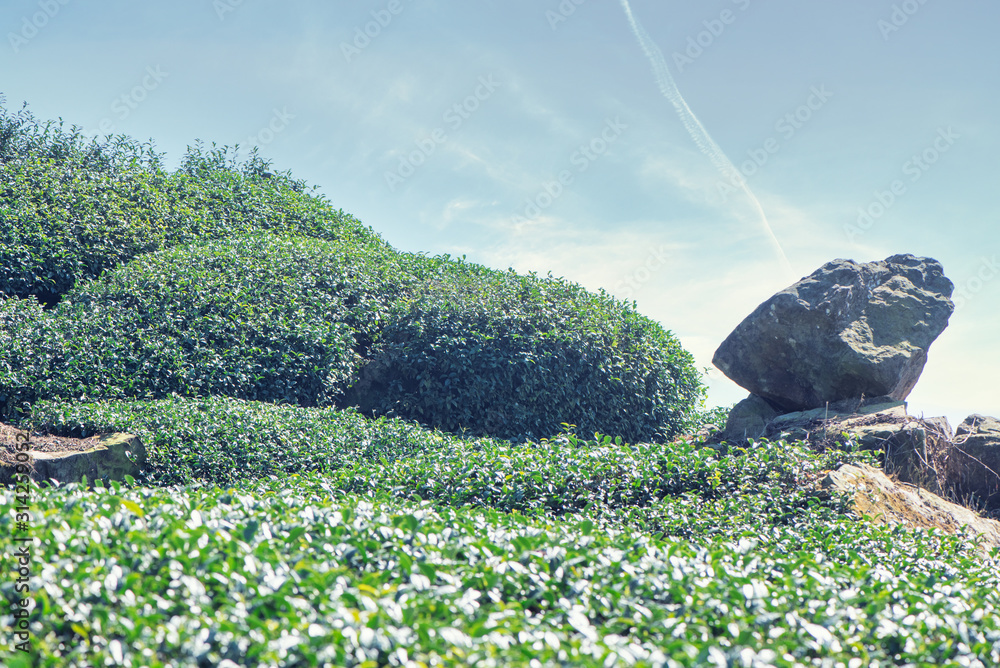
[73, 207]
[516, 356]
[173, 286]
[678, 488]
[220, 440]
[291, 573]
[267, 318]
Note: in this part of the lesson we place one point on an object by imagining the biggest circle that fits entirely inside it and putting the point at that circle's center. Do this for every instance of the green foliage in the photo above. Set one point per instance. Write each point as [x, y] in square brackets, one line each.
[514, 356]
[222, 441]
[201, 305]
[292, 573]
[264, 317]
[291, 319]
[165, 295]
[680, 488]
[73, 207]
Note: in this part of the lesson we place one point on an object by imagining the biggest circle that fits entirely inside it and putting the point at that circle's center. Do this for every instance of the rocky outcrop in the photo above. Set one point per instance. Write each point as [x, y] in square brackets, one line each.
[974, 464]
[108, 457]
[913, 449]
[884, 500]
[847, 330]
[963, 466]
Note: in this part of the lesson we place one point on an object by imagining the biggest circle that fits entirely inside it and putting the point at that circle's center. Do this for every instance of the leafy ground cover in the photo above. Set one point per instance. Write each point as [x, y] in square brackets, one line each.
[394, 545]
[293, 572]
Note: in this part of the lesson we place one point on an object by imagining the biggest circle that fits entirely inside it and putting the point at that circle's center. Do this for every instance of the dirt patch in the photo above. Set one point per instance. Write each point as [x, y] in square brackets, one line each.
[40, 443]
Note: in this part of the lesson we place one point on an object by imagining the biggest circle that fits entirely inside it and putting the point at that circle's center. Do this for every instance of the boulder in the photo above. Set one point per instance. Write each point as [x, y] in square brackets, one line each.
[907, 451]
[973, 468]
[748, 419]
[847, 330]
[914, 450]
[108, 457]
[878, 497]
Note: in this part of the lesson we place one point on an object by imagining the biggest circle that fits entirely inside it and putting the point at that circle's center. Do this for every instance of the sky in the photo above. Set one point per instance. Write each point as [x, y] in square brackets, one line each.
[541, 135]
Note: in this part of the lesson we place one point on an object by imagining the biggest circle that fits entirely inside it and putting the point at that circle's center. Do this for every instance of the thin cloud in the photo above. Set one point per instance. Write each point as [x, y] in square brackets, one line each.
[694, 127]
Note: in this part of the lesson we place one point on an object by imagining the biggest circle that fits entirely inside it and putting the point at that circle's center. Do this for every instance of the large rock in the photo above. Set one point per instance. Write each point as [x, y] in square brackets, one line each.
[876, 496]
[847, 330]
[108, 457]
[973, 467]
[748, 419]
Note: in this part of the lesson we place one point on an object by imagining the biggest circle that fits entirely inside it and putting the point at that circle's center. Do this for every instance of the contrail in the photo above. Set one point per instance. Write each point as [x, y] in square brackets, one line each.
[694, 127]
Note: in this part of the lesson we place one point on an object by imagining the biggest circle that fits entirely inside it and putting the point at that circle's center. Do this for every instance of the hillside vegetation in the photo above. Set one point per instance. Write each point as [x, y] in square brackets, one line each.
[122, 280]
[363, 457]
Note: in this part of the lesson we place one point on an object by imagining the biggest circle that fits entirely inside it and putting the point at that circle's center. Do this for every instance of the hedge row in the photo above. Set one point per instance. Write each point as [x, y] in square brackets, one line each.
[278, 319]
[290, 319]
[222, 441]
[73, 206]
[292, 572]
[224, 279]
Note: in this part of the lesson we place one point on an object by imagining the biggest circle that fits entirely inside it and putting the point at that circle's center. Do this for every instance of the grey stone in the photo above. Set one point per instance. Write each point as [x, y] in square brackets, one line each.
[835, 413]
[847, 330]
[973, 467]
[909, 453]
[111, 457]
[748, 419]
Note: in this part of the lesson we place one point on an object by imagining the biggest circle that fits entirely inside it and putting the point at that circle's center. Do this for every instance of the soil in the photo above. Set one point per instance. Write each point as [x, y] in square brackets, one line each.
[40, 443]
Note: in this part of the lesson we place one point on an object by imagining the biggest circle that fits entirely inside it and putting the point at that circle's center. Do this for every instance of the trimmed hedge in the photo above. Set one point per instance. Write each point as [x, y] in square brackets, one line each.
[267, 318]
[225, 279]
[222, 441]
[73, 207]
[290, 319]
[514, 356]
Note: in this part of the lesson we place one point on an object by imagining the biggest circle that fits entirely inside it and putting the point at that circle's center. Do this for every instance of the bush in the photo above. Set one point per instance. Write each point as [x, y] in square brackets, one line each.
[266, 318]
[225, 279]
[289, 572]
[515, 356]
[222, 441]
[74, 207]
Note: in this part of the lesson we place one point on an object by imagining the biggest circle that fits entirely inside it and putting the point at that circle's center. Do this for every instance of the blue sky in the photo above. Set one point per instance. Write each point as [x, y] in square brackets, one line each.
[533, 134]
